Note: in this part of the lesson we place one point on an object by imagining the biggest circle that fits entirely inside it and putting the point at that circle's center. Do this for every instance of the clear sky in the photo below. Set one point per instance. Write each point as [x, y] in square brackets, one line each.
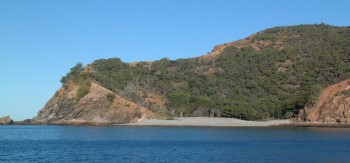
[40, 40]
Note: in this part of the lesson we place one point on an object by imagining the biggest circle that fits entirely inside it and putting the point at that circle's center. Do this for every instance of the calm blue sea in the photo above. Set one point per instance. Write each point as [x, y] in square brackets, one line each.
[172, 144]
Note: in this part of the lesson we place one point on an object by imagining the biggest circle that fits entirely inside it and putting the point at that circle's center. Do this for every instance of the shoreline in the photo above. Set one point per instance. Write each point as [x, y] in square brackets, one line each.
[310, 124]
[194, 122]
[207, 122]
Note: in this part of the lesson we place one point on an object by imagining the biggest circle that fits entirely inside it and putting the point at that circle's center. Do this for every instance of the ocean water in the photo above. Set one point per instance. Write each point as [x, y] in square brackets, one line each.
[172, 144]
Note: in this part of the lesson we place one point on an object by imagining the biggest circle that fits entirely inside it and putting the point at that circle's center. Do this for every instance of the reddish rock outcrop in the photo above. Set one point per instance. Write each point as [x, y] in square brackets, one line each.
[93, 108]
[332, 106]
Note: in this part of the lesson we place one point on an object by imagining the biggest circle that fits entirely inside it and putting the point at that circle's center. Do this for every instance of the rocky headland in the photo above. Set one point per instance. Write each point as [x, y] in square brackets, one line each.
[100, 107]
[330, 107]
[6, 120]
[277, 73]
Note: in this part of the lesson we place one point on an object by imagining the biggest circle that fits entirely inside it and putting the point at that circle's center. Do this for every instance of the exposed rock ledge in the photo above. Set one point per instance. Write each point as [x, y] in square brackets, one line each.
[332, 106]
[94, 108]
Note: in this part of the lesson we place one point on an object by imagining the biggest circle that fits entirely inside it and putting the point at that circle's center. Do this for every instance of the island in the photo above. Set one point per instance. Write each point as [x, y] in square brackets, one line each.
[289, 75]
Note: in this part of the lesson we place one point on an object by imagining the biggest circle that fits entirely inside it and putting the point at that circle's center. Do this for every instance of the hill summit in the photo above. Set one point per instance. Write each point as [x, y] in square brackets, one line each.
[270, 74]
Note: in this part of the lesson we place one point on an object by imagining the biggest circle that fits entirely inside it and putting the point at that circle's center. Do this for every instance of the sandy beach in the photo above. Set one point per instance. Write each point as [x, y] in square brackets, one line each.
[208, 121]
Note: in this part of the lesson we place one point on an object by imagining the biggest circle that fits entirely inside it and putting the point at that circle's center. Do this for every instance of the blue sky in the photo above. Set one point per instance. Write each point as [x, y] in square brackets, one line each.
[41, 40]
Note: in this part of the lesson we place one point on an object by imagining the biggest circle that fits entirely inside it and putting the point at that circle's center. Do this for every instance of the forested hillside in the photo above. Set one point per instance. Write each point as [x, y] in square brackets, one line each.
[271, 74]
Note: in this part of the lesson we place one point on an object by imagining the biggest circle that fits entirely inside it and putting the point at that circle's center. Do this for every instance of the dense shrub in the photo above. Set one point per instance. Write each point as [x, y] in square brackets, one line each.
[73, 74]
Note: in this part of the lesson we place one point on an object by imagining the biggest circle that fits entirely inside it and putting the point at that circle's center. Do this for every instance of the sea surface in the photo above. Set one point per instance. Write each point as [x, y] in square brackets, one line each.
[172, 144]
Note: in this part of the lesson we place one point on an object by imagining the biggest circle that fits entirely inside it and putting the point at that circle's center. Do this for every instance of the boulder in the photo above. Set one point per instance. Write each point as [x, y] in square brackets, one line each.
[343, 120]
[329, 120]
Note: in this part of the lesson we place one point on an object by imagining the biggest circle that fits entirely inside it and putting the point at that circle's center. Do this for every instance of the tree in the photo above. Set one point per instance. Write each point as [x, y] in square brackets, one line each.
[73, 74]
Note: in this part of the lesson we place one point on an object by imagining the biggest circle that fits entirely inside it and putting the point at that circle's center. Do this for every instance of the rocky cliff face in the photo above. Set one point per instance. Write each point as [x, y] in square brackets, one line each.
[332, 106]
[98, 106]
[5, 120]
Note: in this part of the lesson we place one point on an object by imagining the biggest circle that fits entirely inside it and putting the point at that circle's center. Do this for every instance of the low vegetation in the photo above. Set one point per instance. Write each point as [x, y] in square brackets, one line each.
[84, 88]
[110, 97]
[346, 93]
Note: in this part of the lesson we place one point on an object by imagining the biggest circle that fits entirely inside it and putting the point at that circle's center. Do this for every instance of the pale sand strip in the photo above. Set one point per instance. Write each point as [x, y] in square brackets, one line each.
[207, 121]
